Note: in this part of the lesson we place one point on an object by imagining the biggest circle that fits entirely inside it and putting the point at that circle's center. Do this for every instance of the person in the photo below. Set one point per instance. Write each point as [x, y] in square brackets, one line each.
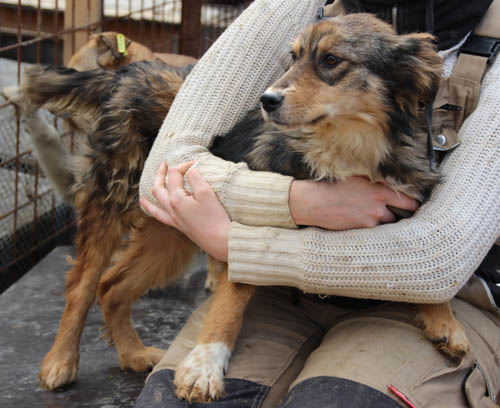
[357, 343]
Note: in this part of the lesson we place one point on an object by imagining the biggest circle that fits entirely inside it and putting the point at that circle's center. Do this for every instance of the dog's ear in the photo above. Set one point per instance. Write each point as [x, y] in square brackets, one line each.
[108, 55]
[418, 70]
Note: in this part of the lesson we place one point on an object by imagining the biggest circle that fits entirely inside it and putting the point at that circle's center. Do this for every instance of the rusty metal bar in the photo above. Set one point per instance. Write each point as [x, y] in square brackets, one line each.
[20, 207]
[38, 27]
[18, 122]
[36, 179]
[162, 26]
[56, 38]
[129, 14]
[152, 42]
[73, 45]
[4, 163]
[141, 24]
[47, 37]
[88, 18]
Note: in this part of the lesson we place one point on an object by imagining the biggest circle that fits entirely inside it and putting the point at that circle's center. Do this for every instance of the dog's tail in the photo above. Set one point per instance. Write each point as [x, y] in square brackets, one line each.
[66, 91]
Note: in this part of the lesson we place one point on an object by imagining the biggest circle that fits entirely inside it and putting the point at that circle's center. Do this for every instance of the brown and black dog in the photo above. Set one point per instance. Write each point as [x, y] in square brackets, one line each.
[100, 52]
[348, 105]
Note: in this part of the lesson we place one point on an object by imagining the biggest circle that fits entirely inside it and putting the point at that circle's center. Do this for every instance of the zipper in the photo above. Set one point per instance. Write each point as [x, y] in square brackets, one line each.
[395, 18]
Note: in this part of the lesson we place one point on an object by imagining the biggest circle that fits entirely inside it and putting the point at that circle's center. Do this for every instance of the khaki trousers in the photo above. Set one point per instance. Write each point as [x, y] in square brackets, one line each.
[282, 345]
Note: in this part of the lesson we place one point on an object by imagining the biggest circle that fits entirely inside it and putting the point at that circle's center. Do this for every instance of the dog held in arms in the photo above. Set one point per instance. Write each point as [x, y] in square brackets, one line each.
[348, 105]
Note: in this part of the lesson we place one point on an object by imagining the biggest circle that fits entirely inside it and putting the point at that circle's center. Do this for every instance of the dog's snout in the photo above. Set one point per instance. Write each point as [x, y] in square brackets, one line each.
[271, 101]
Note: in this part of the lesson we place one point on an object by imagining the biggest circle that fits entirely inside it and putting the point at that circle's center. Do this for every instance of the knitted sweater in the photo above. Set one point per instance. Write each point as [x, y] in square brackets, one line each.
[424, 259]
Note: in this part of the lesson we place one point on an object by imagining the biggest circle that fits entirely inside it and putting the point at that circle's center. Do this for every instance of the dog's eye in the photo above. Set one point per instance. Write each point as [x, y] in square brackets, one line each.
[331, 60]
[293, 55]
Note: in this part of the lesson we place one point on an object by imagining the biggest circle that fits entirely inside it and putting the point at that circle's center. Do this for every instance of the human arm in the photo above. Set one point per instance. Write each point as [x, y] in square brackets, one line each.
[352, 203]
[424, 259]
[223, 86]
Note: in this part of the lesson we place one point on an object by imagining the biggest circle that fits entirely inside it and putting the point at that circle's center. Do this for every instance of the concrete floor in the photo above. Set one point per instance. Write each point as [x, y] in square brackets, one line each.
[30, 311]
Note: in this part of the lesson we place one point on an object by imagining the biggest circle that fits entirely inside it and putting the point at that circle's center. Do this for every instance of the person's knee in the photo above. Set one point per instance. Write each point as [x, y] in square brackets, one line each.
[323, 392]
[159, 392]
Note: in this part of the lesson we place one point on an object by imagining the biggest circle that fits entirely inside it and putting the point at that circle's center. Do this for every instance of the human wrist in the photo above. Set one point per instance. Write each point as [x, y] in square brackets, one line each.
[221, 240]
[297, 201]
[265, 255]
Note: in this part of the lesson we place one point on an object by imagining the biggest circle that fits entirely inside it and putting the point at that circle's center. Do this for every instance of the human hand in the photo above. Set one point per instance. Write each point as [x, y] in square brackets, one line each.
[200, 215]
[352, 203]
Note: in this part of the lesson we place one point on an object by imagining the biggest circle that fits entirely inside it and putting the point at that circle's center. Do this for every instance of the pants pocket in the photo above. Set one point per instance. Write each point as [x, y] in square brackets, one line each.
[476, 388]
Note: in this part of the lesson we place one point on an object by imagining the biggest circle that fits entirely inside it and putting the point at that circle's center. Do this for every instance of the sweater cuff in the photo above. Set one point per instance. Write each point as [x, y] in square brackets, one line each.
[250, 197]
[265, 256]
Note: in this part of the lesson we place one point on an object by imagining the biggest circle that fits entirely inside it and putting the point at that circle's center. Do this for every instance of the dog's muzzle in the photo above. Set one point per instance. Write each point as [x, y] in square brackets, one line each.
[271, 101]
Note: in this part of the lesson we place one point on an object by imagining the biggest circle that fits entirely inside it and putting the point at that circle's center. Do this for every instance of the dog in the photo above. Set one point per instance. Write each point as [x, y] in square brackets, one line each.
[348, 105]
[101, 52]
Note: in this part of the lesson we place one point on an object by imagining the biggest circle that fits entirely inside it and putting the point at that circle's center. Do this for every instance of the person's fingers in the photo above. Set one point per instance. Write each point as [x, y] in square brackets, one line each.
[158, 213]
[184, 167]
[201, 189]
[400, 200]
[159, 191]
[159, 181]
[178, 197]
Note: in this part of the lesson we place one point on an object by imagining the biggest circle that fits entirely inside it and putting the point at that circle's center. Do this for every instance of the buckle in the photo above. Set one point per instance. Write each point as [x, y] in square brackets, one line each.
[482, 46]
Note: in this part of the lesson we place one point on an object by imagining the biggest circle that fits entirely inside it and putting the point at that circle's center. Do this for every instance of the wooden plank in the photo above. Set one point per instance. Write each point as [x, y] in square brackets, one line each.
[78, 14]
[190, 41]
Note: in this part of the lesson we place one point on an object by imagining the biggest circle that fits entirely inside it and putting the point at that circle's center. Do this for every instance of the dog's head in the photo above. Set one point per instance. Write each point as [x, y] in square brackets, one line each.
[102, 51]
[348, 76]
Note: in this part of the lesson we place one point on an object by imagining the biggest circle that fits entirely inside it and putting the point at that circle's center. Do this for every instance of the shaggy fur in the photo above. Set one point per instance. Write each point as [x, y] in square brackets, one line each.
[347, 106]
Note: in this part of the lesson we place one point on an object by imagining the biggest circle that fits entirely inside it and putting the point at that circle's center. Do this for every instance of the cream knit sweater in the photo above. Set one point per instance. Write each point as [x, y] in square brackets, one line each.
[424, 259]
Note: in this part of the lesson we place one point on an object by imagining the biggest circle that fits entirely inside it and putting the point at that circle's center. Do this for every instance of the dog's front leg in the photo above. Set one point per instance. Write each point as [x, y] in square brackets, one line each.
[200, 377]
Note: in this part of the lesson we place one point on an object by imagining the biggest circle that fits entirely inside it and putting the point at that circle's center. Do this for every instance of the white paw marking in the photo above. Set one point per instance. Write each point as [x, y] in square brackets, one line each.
[201, 375]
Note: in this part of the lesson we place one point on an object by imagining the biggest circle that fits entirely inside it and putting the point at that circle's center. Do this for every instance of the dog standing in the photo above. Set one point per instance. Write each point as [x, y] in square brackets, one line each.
[347, 106]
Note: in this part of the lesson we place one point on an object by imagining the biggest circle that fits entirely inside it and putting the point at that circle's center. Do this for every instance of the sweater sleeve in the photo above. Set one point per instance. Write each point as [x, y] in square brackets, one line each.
[223, 86]
[424, 259]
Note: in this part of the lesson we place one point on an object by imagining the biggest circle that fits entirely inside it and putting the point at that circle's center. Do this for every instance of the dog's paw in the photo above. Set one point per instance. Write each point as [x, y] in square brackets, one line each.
[57, 372]
[143, 359]
[13, 95]
[211, 283]
[448, 336]
[200, 377]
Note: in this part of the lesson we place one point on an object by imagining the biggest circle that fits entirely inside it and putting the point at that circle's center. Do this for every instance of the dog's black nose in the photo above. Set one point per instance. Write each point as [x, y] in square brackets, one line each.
[271, 101]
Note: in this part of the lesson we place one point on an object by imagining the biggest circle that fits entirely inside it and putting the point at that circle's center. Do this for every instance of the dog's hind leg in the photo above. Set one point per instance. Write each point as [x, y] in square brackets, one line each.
[51, 154]
[199, 378]
[49, 150]
[443, 329]
[99, 235]
[155, 256]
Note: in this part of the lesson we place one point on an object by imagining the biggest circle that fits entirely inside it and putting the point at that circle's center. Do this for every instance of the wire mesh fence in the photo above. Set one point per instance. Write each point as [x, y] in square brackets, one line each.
[32, 218]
